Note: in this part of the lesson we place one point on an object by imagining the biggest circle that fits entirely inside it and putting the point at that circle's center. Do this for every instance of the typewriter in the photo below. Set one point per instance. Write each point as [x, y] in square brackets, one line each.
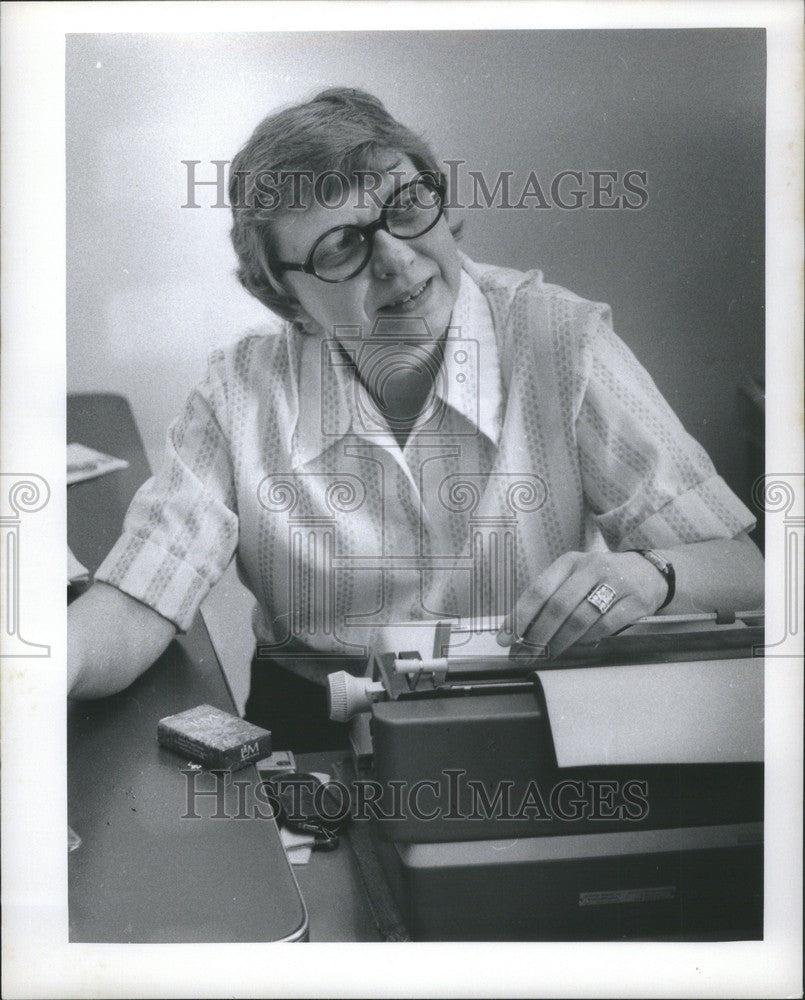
[615, 792]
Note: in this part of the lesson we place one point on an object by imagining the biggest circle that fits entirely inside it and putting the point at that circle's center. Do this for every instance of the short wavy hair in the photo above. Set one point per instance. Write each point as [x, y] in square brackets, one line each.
[341, 130]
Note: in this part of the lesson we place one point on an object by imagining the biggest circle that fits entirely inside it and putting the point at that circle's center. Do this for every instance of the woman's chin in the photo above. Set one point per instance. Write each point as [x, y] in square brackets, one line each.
[438, 310]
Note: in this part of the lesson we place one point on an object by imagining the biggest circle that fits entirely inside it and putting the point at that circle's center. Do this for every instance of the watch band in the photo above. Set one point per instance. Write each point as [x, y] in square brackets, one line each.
[665, 568]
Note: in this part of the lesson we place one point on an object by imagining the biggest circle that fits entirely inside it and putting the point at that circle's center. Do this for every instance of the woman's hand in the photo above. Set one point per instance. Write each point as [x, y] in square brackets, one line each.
[554, 612]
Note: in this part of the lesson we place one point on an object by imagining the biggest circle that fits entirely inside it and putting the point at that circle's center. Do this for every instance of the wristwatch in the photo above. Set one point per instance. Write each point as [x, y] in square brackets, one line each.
[665, 568]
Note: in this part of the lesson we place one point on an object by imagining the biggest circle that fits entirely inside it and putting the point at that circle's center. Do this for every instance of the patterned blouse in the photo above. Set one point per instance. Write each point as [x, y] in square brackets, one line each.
[543, 434]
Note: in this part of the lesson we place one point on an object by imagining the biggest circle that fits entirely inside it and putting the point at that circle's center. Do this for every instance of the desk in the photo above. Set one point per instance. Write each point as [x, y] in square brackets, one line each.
[143, 873]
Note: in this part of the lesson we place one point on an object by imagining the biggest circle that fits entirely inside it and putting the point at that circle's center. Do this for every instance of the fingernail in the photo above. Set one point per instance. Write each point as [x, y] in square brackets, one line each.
[504, 639]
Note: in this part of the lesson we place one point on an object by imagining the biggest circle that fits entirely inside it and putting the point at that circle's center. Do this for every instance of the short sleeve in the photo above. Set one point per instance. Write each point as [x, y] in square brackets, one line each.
[646, 480]
[181, 529]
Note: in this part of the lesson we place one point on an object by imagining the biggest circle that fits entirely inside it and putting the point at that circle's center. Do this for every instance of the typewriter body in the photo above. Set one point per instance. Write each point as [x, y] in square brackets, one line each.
[613, 793]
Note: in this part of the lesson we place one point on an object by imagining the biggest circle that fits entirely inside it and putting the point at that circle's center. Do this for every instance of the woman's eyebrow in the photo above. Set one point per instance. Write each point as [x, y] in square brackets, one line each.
[388, 170]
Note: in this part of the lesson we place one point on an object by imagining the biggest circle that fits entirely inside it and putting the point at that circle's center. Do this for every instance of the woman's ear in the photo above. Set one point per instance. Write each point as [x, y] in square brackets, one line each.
[294, 306]
[286, 302]
[304, 320]
[297, 312]
[291, 305]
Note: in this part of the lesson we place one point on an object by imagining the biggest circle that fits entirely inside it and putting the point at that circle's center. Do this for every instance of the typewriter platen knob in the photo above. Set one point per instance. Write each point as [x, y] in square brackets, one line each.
[348, 695]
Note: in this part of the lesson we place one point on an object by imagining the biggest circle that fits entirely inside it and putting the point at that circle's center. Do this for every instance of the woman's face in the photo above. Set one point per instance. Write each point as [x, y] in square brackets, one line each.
[427, 267]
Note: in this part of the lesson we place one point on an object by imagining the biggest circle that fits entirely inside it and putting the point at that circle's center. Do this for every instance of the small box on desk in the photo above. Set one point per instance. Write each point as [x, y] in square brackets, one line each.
[214, 738]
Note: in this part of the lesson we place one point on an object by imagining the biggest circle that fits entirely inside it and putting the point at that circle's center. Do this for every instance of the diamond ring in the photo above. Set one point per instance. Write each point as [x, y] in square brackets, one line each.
[602, 597]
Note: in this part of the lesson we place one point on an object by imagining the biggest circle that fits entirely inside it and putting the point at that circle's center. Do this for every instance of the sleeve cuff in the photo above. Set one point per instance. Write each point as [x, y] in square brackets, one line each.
[706, 511]
[155, 577]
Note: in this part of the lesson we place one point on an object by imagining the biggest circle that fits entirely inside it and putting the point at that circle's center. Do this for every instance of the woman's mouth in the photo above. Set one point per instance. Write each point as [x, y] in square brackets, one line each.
[409, 300]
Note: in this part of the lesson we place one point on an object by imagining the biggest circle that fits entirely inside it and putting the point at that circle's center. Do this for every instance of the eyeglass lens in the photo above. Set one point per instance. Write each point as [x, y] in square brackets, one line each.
[343, 252]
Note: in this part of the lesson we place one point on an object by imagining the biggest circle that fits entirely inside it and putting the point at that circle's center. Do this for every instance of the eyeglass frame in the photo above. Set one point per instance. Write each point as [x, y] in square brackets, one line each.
[368, 231]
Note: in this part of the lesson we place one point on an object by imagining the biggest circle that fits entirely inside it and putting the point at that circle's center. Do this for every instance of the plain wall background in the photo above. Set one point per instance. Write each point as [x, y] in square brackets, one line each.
[150, 285]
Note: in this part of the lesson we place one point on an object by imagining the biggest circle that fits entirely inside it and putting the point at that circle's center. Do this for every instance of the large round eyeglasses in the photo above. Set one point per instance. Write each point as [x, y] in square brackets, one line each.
[342, 252]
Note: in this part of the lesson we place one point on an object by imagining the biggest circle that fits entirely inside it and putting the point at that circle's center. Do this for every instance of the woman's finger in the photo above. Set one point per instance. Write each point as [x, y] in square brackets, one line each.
[625, 612]
[567, 614]
[531, 601]
[622, 613]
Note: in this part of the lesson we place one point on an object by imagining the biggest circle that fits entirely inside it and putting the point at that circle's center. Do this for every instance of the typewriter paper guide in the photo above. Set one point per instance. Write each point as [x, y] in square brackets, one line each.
[697, 712]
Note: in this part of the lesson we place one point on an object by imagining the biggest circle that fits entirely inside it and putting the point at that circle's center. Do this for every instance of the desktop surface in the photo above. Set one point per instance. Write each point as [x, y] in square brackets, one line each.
[144, 870]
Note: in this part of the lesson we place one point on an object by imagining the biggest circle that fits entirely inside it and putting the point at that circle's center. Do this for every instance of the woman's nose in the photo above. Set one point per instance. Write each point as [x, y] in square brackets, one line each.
[390, 256]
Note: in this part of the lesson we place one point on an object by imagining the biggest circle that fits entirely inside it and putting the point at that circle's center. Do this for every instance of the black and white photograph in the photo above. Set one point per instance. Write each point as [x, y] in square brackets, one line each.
[433, 547]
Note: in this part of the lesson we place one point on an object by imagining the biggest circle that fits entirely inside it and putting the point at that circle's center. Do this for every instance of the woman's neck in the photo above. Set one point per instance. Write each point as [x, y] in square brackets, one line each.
[400, 379]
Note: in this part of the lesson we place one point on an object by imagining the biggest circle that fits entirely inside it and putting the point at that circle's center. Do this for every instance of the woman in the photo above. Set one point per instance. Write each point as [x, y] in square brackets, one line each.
[417, 436]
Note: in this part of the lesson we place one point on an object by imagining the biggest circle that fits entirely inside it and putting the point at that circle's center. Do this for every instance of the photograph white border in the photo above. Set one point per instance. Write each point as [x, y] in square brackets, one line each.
[38, 960]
